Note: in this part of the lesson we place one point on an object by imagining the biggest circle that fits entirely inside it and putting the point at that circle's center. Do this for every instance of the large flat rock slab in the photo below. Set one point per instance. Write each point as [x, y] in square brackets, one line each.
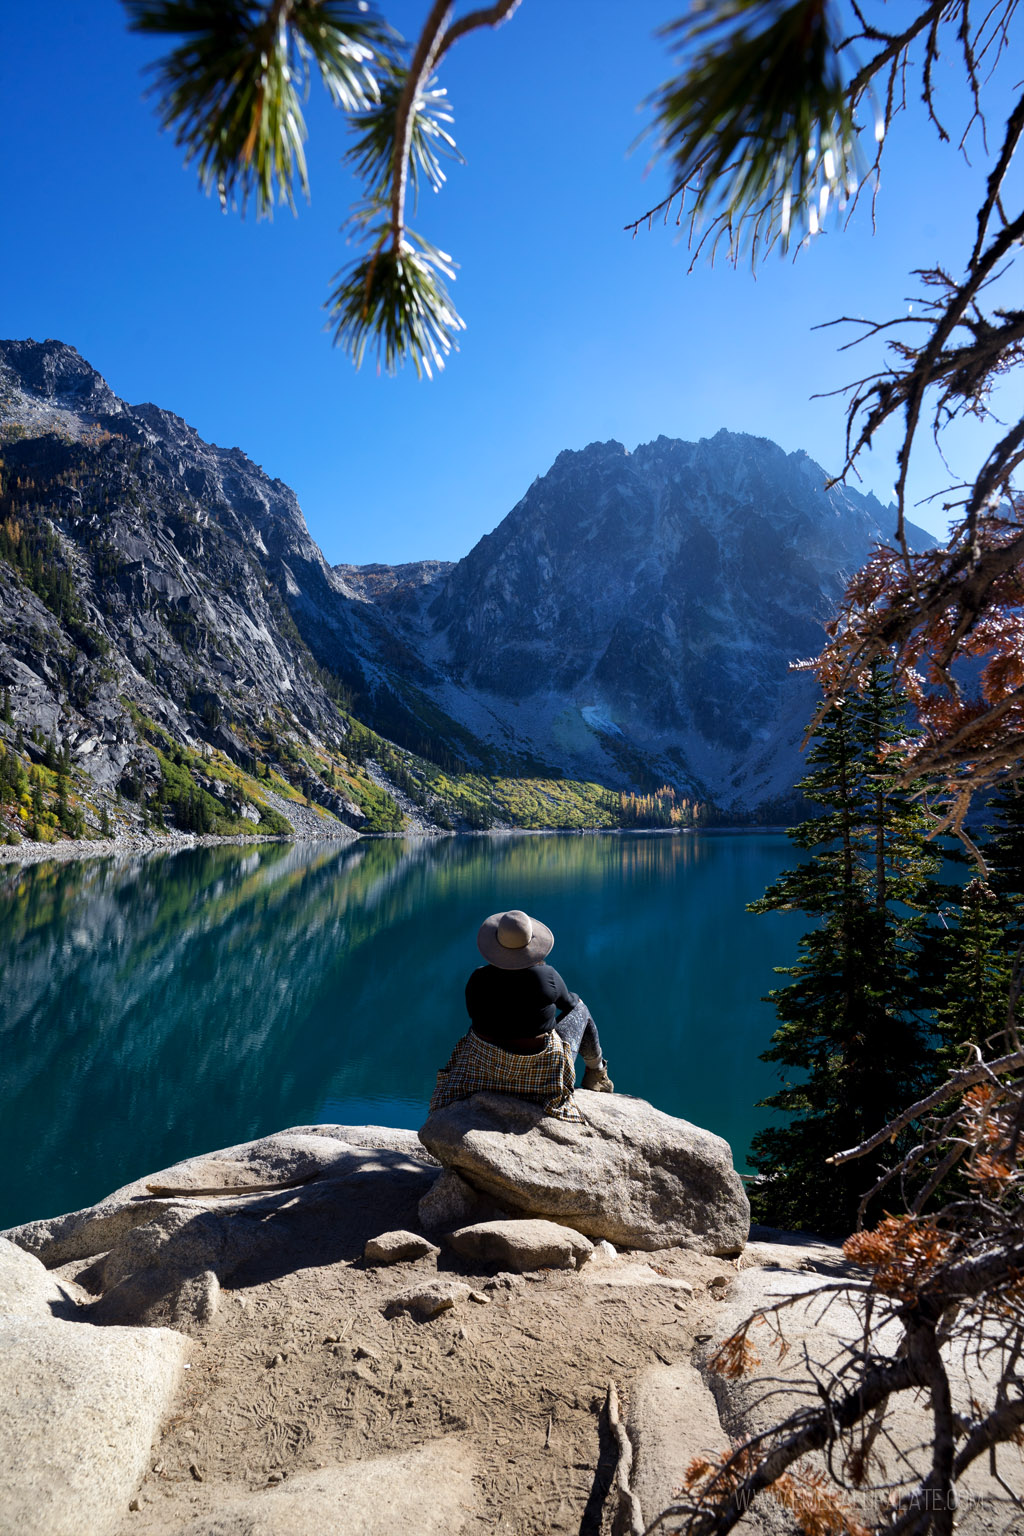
[169, 1270]
[428, 1491]
[314, 1152]
[160, 1261]
[631, 1174]
[79, 1409]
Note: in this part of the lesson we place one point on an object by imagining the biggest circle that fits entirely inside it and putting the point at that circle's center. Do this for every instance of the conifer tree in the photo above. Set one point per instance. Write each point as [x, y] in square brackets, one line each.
[850, 1038]
[973, 959]
[975, 967]
[1004, 853]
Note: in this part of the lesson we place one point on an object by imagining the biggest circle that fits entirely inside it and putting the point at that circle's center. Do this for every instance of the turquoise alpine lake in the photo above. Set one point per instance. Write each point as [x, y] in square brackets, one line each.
[158, 1007]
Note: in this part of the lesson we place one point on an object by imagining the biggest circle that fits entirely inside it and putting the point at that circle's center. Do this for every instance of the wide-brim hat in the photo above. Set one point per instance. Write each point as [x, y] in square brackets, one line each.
[513, 940]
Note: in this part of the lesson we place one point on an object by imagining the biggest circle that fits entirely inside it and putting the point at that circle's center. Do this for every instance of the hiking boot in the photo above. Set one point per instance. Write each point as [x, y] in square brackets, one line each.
[597, 1079]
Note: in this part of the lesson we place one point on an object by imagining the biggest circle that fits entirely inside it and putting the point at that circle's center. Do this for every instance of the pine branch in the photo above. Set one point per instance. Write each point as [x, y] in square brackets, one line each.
[801, 1435]
[420, 69]
[487, 16]
[397, 293]
[232, 92]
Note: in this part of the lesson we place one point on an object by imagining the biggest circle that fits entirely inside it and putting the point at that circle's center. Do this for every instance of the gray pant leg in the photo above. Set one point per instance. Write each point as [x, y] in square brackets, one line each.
[579, 1031]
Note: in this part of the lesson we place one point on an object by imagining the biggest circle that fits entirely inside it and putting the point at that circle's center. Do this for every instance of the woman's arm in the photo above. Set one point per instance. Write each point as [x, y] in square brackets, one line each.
[564, 1000]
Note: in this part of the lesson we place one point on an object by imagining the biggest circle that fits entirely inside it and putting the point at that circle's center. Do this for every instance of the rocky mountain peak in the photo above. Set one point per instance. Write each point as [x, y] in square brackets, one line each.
[646, 608]
[372, 582]
[56, 372]
[594, 453]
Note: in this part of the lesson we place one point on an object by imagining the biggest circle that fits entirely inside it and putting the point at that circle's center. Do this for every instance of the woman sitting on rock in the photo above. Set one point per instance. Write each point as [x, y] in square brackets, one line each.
[526, 1026]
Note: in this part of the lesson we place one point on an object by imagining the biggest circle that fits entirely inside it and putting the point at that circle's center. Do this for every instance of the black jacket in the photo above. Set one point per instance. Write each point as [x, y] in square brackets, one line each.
[514, 1004]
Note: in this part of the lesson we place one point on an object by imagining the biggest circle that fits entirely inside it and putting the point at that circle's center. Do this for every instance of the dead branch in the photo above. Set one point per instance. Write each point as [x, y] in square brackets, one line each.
[629, 1519]
[953, 1085]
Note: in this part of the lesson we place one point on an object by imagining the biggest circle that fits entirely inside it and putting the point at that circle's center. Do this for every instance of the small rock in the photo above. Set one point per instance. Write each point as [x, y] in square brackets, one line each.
[394, 1247]
[277, 1360]
[528, 1244]
[604, 1252]
[133, 1507]
[332, 1338]
[196, 1473]
[426, 1301]
[503, 1282]
[362, 1353]
[480, 1298]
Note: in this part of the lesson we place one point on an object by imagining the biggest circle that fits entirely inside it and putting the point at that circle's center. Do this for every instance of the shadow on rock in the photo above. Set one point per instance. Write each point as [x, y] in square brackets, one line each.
[169, 1270]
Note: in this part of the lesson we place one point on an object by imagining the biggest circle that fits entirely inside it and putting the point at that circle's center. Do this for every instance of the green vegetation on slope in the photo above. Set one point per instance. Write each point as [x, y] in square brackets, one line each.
[479, 801]
[188, 787]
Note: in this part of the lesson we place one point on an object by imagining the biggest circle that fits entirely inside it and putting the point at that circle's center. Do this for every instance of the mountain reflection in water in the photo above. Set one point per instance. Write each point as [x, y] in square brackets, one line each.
[164, 1006]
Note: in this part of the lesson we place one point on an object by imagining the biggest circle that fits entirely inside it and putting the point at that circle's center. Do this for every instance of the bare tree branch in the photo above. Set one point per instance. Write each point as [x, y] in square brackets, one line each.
[983, 1072]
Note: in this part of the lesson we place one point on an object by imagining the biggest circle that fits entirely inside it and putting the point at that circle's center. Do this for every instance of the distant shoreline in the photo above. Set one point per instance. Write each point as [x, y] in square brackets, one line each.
[73, 849]
[138, 843]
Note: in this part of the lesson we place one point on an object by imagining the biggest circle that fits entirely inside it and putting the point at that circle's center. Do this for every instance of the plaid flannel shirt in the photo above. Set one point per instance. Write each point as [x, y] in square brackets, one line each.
[547, 1078]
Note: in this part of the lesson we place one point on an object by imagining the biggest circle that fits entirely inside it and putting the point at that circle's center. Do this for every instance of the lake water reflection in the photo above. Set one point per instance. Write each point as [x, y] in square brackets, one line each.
[166, 1006]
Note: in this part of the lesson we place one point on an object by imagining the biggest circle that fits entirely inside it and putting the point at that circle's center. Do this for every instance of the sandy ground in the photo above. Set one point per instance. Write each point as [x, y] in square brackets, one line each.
[300, 1370]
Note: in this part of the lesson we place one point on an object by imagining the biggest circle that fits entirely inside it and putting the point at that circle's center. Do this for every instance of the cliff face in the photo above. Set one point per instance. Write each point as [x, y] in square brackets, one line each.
[644, 609]
[145, 570]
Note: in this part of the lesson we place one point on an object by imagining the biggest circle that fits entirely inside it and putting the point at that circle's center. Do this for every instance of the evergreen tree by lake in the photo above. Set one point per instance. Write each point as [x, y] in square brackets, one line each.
[852, 1043]
[976, 938]
[974, 972]
[1004, 854]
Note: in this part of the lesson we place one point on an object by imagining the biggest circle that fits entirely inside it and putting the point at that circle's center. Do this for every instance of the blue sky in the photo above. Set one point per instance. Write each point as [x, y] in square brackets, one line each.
[575, 331]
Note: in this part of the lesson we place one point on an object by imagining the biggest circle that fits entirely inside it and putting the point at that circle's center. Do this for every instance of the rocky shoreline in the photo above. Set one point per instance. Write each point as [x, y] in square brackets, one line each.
[136, 843]
[200, 1354]
[145, 843]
